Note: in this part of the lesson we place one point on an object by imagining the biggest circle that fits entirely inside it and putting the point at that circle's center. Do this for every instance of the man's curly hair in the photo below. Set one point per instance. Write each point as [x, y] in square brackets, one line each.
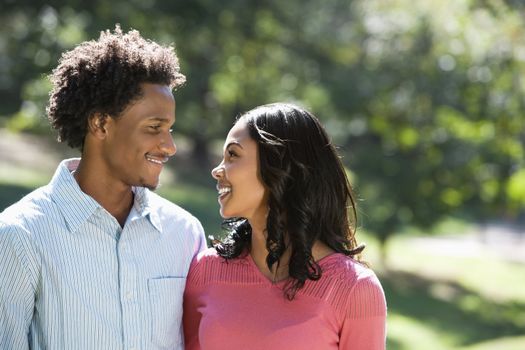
[104, 76]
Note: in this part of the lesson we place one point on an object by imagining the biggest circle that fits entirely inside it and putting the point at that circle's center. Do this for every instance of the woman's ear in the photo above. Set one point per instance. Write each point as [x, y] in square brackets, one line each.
[97, 125]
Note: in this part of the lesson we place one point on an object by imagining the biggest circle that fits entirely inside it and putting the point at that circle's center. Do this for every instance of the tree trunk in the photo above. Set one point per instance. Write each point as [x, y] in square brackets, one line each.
[383, 251]
[200, 151]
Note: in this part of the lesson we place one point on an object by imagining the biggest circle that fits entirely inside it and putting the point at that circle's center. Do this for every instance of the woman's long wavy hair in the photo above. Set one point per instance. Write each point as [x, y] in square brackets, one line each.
[310, 197]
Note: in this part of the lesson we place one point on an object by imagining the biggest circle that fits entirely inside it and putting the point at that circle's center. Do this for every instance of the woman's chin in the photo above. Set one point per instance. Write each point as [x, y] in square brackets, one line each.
[224, 214]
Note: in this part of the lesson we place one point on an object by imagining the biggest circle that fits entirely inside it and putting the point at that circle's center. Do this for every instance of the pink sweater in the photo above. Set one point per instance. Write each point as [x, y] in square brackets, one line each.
[232, 305]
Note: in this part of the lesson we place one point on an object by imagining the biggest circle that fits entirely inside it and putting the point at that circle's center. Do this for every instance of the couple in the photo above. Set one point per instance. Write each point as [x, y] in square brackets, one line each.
[96, 260]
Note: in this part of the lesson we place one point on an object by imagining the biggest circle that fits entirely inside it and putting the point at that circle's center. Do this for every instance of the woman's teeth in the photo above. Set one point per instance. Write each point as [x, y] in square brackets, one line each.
[224, 190]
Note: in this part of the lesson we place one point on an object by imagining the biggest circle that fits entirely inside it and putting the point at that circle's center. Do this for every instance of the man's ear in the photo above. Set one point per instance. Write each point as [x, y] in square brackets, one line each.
[97, 125]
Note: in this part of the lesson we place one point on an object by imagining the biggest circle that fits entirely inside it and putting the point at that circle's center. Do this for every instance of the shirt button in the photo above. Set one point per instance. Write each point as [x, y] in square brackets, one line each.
[129, 295]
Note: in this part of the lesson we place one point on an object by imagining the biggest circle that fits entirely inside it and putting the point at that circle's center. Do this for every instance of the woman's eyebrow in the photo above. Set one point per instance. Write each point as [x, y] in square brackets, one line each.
[233, 143]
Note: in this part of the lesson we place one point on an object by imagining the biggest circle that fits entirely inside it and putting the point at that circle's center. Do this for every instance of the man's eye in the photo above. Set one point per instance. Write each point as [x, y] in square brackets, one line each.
[155, 127]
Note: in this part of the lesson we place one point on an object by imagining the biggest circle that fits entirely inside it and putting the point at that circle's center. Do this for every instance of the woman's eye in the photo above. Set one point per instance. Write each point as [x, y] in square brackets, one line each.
[232, 154]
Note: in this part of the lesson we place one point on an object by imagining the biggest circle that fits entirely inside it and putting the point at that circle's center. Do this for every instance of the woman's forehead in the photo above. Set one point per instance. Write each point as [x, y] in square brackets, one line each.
[239, 132]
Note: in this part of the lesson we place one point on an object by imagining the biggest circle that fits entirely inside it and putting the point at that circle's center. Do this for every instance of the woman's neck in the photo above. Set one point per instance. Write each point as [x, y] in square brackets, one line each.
[259, 252]
[279, 270]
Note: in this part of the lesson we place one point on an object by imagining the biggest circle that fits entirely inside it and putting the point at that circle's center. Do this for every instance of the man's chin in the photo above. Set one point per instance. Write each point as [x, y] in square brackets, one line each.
[150, 185]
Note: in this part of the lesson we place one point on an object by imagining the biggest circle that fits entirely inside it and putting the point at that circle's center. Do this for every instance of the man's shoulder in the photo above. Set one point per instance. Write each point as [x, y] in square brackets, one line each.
[167, 209]
[21, 220]
[32, 207]
[177, 222]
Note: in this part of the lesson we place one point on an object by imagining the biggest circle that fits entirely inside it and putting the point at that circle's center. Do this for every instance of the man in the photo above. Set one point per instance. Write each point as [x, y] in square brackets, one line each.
[95, 260]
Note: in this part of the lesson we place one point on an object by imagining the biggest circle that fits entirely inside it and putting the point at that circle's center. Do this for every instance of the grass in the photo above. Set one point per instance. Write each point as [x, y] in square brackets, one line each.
[487, 274]
[408, 333]
[437, 300]
[445, 302]
[511, 343]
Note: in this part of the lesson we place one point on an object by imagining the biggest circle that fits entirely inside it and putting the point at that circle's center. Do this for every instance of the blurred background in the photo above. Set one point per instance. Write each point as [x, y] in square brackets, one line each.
[425, 100]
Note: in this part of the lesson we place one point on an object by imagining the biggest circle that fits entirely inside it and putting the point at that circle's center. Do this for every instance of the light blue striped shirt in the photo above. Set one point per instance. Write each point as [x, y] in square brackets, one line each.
[72, 278]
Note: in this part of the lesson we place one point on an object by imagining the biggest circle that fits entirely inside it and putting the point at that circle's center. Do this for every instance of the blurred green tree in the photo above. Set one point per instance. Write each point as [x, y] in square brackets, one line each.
[426, 99]
[440, 116]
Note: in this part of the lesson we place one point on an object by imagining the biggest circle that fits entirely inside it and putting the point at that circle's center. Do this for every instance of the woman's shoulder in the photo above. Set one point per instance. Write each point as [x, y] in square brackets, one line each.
[211, 256]
[209, 267]
[345, 268]
[200, 261]
[353, 285]
[207, 255]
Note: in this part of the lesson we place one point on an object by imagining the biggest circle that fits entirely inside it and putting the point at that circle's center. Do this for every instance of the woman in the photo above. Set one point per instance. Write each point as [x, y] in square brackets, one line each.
[287, 275]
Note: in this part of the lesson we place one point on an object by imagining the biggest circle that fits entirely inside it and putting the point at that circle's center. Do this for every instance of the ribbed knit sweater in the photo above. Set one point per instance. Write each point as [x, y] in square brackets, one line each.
[232, 305]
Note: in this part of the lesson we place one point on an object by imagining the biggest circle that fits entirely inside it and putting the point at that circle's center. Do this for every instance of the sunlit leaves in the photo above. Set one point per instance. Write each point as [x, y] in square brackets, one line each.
[516, 188]
[426, 98]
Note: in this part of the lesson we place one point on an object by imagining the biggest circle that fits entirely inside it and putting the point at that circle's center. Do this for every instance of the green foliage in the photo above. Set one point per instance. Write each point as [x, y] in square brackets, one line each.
[31, 114]
[441, 110]
[516, 188]
[425, 99]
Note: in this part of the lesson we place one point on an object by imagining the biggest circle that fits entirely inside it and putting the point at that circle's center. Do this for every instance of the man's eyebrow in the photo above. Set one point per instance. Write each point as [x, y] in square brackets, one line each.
[159, 119]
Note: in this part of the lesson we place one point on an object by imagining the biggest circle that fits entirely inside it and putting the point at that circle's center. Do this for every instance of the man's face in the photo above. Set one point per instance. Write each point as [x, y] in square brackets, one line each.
[139, 142]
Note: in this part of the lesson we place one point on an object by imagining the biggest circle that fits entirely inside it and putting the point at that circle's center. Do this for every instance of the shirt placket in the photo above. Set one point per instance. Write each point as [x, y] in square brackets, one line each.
[129, 290]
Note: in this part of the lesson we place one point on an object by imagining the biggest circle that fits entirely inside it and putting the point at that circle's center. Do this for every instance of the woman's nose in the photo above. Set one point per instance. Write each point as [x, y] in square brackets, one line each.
[217, 172]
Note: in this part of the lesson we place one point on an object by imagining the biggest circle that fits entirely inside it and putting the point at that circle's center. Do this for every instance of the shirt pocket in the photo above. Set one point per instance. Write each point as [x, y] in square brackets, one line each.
[165, 296]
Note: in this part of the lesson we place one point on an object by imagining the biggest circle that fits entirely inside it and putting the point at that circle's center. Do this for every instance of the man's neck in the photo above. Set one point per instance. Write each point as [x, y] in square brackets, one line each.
[116, 198]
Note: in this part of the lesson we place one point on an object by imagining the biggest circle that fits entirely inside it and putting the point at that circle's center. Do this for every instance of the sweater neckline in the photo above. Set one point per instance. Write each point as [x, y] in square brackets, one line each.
[323, 261]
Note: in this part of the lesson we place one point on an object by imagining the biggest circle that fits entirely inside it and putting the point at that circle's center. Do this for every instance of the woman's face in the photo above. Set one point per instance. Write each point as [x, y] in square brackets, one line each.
[241, 190]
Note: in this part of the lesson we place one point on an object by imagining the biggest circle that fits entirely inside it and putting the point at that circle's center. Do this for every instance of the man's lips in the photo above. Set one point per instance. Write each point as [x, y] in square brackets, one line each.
[160, 160]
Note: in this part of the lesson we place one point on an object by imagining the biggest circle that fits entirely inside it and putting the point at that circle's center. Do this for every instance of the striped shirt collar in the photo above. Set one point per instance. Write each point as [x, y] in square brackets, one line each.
[77, 207]
[144, 206]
